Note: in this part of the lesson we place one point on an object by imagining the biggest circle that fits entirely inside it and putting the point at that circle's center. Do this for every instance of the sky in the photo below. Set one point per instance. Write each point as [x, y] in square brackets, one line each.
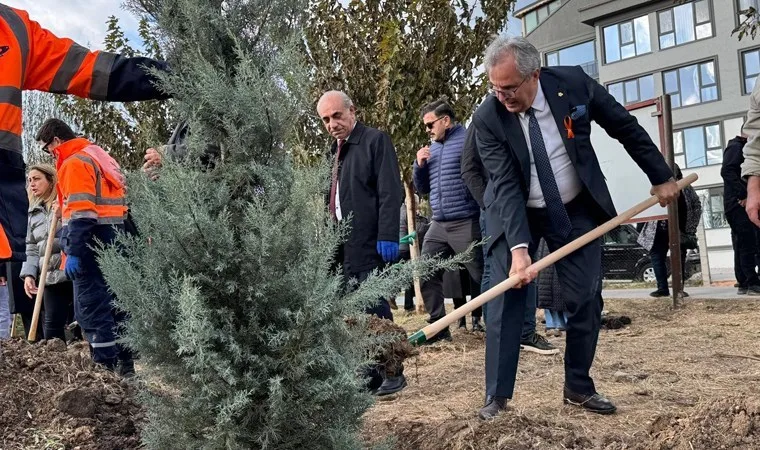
[84, 21]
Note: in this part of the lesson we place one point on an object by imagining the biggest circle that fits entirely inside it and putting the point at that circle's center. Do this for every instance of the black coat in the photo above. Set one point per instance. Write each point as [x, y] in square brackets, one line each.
[371, 193]
[734, 188]
[547, 281]
[474, 174]
[504, 151]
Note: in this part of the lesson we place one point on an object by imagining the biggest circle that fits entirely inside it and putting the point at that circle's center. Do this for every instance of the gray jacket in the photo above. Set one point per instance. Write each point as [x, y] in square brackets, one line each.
[751, 164]
[36, 241]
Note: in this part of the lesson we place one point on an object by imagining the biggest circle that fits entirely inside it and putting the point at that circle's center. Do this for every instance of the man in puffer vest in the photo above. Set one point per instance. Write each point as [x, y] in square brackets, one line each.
[455, 223]
[91, 197]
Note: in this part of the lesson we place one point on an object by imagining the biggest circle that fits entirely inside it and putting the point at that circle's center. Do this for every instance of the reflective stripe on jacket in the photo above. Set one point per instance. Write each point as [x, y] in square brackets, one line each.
[33, 58]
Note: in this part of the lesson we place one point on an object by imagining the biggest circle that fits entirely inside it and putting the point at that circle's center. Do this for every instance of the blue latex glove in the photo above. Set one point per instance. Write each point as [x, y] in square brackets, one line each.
[388, 250]
[73, 266]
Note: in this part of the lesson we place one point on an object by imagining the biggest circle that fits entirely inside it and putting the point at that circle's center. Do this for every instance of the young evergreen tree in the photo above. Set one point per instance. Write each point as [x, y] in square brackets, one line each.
[235, 305]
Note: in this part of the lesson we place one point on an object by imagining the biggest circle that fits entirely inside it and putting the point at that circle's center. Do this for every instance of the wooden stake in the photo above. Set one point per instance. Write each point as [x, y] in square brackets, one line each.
[414, 247]
[43, 277]
[434, 328]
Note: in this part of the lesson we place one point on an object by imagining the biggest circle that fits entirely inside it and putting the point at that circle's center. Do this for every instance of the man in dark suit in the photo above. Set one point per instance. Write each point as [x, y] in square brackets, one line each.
[533, 135]
[743, 231]
[365, 184]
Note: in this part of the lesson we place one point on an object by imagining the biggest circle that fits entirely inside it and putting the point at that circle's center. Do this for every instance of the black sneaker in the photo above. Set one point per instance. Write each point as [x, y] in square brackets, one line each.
[538, 344]
[659, 293]
[753, 290]
[741, 291]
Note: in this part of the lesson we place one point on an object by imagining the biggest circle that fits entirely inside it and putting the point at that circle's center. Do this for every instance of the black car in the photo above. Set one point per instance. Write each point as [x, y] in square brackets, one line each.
[624, 259]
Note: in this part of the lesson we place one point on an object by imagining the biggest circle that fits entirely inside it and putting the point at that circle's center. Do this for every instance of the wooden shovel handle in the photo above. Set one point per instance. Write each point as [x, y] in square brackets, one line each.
[43, 277]
[431, 330]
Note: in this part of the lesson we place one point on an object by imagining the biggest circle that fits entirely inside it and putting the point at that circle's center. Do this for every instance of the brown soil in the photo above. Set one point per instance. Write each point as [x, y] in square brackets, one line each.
[52, 397]
[685, 379]
[394, 346]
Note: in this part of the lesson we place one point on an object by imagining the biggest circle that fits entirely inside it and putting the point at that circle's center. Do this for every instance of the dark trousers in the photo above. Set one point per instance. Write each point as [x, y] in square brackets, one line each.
[97, 315]
[745, 246]
[445, 239]
[529, 324]
[659, 256]
[19, 302]
[741, 280]
[409, 291]
[579, 275]
[14, 204]
[58, 300]
[375, 373]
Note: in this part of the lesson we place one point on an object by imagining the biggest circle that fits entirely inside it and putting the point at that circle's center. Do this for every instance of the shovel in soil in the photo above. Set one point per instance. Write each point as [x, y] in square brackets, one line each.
[421, 336]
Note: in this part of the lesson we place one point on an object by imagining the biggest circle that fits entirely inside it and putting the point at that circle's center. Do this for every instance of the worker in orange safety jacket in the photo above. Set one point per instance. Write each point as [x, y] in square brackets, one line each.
[32, 58]
[91, 190]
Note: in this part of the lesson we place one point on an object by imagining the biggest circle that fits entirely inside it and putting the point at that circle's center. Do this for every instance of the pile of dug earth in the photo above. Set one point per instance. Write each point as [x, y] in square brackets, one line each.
[52, 396]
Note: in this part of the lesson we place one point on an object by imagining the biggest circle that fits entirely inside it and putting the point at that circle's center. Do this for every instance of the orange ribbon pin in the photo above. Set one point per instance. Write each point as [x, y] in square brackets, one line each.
[569, 127]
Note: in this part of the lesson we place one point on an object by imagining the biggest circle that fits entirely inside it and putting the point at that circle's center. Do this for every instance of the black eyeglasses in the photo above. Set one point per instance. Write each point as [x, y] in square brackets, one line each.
[504, 93]
[429, 125]
[45, 147]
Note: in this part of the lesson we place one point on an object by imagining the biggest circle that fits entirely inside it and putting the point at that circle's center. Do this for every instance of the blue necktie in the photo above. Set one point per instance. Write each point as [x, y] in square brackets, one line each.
[554, 206]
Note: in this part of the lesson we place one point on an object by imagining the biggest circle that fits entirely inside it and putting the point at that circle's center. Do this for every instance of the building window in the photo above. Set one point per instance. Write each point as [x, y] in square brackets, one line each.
[692, 84]
[685, 23]
[744, 5]
[698, 146]
[627, 39]
[713, 215]
[533, 19]
[750, 68]
[633, 91]
[583, 55]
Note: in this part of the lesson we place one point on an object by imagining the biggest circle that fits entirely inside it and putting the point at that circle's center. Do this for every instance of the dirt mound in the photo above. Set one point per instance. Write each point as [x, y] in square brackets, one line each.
[727, 423]
[395, 347]
[52, 396]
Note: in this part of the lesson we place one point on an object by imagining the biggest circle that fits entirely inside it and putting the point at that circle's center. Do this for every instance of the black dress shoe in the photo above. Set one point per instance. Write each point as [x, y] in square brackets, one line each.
[391, 385]
[443, 335]
[127, 368]
[596, 403]
[476, 325]
[494, 406]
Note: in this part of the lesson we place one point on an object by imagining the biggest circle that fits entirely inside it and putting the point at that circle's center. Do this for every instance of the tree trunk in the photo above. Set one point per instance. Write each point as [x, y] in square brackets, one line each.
[414, 248]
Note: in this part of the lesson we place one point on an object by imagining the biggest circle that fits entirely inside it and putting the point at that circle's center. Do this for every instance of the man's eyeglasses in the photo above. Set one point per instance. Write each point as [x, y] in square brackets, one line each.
[429, 125]
[45, 147]
[504, 93]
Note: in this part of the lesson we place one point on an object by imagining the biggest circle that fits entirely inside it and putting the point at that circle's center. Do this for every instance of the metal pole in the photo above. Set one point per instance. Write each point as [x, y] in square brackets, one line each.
[674, 234]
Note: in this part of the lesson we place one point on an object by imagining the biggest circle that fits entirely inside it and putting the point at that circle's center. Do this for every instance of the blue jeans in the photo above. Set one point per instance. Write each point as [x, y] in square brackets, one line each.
[5, 313]
[529, 324]
[555, 319]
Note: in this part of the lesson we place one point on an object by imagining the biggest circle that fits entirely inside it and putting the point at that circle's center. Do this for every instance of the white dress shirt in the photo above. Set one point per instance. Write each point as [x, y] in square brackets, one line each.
[568, 182]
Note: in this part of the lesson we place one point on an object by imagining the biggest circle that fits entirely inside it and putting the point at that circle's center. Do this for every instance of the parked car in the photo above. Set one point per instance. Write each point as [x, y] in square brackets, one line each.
[624, 259]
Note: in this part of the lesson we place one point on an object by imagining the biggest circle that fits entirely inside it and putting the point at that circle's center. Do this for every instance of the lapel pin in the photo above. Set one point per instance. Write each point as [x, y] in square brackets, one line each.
[560, 94]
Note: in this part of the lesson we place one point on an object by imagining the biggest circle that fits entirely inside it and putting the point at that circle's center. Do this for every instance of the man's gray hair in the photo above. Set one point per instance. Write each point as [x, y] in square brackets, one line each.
[347, 103]
[526, 56]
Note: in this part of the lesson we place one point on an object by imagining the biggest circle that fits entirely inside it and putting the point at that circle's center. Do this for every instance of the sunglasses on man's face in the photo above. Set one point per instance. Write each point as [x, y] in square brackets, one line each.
[429, 125]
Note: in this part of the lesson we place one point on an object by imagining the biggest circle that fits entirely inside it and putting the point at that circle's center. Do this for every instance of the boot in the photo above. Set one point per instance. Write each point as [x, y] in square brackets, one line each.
[476, 325]
[127, 368]
[494, 406]
[463, 323]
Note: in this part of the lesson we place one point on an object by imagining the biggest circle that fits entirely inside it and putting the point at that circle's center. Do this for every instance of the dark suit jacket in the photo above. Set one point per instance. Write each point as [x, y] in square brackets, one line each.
[504, 151]
[475, 176]
[371, 192]
[734, 188]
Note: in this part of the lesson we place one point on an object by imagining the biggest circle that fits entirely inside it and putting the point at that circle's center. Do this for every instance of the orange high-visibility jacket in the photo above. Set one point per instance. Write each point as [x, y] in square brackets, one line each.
[91, 194]
[33, 58]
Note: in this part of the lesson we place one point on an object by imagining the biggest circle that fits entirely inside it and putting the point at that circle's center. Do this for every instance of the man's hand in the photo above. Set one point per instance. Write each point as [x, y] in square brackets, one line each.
[743, 203]
[666, 192]
[30, 287]
[152, 163]
[423, 155]
[753, 199]
[388, 250]
[520, 263]
[73, 267]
